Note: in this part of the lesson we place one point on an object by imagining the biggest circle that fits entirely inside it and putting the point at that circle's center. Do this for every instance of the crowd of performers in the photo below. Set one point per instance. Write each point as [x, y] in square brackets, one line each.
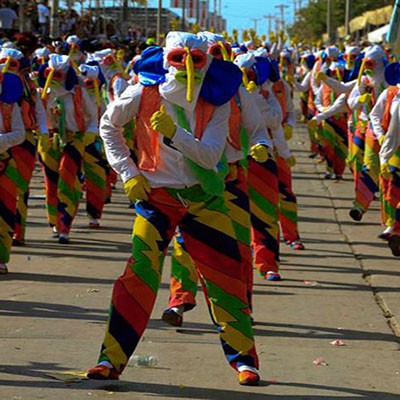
[198, 132]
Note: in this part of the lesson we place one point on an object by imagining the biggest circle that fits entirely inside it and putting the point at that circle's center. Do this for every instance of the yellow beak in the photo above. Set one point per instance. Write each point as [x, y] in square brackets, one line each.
[97, 92]
[225, 55]
[190, 75]
[5, 69]
[47, 84]
[361, 71]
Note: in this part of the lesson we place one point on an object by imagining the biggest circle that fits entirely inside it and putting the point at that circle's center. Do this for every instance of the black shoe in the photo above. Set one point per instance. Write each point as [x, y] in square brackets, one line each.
[18, 242]
[394, 244]
[63, 238]
[338, 177]
[356, 214]
[172, 318]
[328, 175]
[107, 200]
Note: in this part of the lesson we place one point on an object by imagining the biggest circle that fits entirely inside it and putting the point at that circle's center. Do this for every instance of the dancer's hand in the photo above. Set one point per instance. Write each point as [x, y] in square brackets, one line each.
[385, 171]
[259, 152]
[89, 138]
[291, 161]
[163, 123]
[44, 144]
[137, 188]
[381, 140]
[365, 98]
[288, 130]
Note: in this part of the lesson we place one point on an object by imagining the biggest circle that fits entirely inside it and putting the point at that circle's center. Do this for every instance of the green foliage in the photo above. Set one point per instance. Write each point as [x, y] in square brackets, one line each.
[310, 23]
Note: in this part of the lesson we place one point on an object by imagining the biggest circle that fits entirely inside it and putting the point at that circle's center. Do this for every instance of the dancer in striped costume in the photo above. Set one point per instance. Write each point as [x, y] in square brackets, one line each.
[71, 115]
[366, 145]
[94, 164]
[246, 128]
[386, 122]
[172, 179]
[24, 154]
[12, 133]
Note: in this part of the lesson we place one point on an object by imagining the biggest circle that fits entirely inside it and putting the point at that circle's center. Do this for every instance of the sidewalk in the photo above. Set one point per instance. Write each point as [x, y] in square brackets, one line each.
[345, 286]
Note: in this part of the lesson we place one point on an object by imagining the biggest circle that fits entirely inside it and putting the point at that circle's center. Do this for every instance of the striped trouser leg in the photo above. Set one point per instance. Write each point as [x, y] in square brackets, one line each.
[237, 200]
[287, 202]
[95, 178]
[339, 125]
[210, 239]
[69, 186]
[8, 203]
[357, 152]
[387, 207]
[25, 157]
[50, 161]
[264, 205]
[183, 281]
[206, 230]
[367, 184]
[394, 193]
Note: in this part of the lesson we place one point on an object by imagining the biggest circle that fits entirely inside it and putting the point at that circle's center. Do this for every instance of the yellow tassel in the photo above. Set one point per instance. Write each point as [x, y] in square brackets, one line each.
[190, 75]
[361, 71]
[225, 55]
[97, 92]
[5, 69]
[47, 85]
[128, 67]
[339, 78]
[245, 80]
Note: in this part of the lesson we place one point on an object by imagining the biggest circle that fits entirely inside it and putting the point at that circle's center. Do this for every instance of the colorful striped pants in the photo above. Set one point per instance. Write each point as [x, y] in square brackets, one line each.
[183, 283]
[287, 202]
[62, 165]
[25, 156]
[264, 212]
[8, 203]
[94, 167]
[210, 240]
[334, 143]
[368, 179]
[394, 193]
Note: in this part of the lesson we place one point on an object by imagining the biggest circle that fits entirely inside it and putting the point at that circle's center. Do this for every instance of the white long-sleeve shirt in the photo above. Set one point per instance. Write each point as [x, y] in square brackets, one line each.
[377, 112]
[338, 106]
[272, 113]
[392, 137]
[173, 171]
[252, 120]
[305, 84]
[340, 87]
[89, 111]
[40, 115]
[17, 133]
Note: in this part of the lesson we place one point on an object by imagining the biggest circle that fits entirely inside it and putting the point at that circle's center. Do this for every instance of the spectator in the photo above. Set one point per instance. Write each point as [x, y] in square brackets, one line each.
[43, 18]
[8, 18]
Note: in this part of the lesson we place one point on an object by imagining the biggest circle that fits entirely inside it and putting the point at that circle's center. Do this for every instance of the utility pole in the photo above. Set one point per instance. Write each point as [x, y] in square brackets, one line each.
[282, 9]
[294, 10]
[159, 11]
[255, 22]
[347, 17]
[329, 20]
[54, 23]
[183, 15]
[215, 15]
[270, 18]
[197, 12]
[21, 19]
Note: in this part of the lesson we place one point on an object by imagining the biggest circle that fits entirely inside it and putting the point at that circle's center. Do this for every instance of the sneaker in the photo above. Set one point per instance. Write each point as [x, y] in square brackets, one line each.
[63, 238]
[172, 317]
[296, 245]
[248, 378]
[18, 242]
[54, 234]
[94, 223]
[356, 214]
[102, 372]
[328, 175]
[272, 276]
[385, 235]
[3, 269]
[394, 244]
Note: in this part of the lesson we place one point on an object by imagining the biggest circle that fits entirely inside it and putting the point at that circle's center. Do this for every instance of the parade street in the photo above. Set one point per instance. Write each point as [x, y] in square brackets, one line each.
[329, 330]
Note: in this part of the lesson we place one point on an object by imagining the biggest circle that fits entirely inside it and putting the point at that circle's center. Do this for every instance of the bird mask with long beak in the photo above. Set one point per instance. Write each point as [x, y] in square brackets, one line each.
[57, 75]
[11, 82]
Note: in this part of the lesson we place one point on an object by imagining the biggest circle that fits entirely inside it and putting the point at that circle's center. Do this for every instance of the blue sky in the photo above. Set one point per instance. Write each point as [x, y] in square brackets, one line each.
[240, 14]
